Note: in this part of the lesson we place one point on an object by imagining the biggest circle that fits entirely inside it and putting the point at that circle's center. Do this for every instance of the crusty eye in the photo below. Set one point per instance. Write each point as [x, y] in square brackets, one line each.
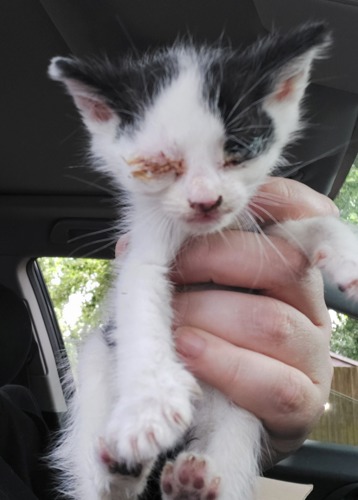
[154, 167]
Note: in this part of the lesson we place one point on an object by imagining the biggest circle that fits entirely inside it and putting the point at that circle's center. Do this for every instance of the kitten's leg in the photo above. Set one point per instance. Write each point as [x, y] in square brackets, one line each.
[222, 461]
[330, 244]
[155, 390]
[85, 475]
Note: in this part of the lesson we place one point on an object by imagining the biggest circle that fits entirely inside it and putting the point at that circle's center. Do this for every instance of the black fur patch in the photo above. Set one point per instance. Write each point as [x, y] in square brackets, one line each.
[128, 86]
[237, 82]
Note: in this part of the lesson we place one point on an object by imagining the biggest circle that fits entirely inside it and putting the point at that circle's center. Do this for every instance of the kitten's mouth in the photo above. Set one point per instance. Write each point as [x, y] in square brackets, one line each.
[204, 218]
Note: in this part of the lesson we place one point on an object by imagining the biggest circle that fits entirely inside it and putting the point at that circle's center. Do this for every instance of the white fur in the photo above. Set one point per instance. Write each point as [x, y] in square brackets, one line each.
[136, 400]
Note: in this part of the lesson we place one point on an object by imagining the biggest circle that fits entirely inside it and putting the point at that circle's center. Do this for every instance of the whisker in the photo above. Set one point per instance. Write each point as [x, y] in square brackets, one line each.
[258, 217]
[223, 235]
[249, 127]
[242, 112]
[89, 234]
[299, 165]
[270, 199]
[96, 250]
[127, 35]
[240, 141]
[253, 87]
[249, 221]
[92, 184]
[111, 241]
[290, 235]
[266, 212]
[270, 242]
[70, 135]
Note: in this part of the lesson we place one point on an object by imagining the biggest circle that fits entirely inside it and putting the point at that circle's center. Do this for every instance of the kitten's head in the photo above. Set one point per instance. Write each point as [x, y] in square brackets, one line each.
[194, 131]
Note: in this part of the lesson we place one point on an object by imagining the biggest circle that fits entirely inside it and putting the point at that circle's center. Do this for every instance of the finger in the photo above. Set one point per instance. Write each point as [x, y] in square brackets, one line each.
[281, 199]
[284, 398]
[261, 324]
[240, 259]
[249, 260]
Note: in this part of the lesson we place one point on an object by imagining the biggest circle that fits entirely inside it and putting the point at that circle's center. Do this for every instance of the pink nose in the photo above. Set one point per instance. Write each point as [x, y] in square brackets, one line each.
[206, 206]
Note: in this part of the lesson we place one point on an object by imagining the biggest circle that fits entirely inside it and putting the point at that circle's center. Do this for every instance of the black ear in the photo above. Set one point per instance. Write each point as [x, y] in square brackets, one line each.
[287, 59]
[95, 109]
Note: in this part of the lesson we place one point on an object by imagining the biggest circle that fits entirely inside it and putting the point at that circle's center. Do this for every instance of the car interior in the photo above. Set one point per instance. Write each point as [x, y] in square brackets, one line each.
[49, 197]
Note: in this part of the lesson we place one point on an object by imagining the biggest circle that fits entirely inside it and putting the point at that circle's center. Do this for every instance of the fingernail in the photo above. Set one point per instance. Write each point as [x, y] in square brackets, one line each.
[189, 344]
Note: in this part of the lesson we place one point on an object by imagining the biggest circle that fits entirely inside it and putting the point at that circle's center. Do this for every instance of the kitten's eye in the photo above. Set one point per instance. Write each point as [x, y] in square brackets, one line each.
[238, 150]
[151, 168]
[232, 162]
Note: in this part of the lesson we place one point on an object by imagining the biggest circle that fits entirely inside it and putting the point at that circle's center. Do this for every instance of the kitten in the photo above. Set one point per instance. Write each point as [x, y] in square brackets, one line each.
[190, 134]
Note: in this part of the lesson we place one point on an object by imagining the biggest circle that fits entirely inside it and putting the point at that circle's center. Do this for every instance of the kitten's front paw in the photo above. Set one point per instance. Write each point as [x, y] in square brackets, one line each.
[340, 268]
[329, 244]
[189, 477]
[149, 421]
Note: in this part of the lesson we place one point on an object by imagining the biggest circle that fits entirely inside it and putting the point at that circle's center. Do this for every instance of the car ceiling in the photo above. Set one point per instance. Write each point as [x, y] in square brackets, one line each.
[45, 189]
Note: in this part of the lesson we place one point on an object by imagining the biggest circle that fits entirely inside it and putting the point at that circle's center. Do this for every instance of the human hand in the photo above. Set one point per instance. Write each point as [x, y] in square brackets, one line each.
[269, 353]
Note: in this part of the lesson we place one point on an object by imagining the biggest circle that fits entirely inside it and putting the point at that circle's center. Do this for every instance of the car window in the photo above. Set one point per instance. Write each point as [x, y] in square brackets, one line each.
[77, 287]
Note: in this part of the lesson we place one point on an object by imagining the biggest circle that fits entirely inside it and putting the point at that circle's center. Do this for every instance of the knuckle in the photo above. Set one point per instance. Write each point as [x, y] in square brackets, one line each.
[282, 326]
[274, 324]
[290, 395]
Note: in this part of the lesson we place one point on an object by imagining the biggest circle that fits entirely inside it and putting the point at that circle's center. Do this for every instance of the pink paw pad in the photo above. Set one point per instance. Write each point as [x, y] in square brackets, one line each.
[189, 477]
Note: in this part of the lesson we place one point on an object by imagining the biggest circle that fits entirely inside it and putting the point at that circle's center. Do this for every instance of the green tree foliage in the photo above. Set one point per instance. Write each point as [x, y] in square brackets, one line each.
[347, 199]
[344, 339]
[77, 287]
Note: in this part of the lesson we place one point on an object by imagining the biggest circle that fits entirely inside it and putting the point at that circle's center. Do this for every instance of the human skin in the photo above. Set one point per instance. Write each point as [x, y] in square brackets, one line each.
[268, 352]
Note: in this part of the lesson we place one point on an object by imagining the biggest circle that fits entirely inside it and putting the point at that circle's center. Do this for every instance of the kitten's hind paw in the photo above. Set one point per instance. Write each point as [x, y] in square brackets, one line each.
[189, 477]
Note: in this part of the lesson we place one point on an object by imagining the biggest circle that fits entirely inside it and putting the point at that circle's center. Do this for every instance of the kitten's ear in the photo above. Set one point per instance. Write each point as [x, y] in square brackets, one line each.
[95, 110]
[290, 56]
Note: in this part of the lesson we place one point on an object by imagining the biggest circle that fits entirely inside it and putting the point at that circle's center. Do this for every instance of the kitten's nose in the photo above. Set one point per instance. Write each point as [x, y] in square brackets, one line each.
[206, 206]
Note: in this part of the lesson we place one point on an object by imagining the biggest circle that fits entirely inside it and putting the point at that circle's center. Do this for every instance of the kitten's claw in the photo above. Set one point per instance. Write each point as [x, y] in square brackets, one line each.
[350, 289]
[189, 477]
[116, 466]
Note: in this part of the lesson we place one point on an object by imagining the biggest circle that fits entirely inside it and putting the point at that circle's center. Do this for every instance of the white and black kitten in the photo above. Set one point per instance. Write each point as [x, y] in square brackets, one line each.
[190, 134]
